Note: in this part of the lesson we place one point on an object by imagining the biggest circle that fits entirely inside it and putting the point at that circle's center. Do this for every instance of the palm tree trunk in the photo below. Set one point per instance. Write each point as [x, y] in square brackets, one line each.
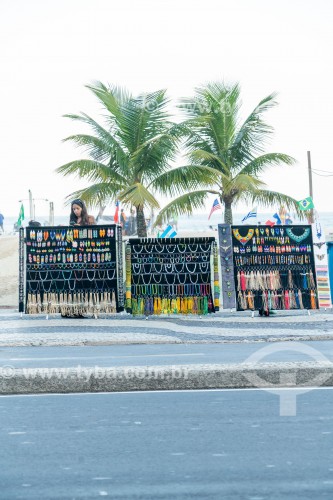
[141, 222]
[227, 212]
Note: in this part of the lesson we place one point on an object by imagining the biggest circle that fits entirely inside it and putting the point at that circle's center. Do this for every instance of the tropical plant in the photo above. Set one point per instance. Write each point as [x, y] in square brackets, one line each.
[129, 155]
[230, 152]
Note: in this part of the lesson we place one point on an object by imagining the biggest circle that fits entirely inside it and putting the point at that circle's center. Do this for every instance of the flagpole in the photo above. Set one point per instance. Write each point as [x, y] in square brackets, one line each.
[31, 210]
[310, 218]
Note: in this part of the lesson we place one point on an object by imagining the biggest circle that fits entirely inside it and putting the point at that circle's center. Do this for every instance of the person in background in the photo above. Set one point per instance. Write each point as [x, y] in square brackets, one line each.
[174, 222]
[288, 221]
[79, 214]
[131, 227]
[1, 222]
[34, 223]
[123, 219]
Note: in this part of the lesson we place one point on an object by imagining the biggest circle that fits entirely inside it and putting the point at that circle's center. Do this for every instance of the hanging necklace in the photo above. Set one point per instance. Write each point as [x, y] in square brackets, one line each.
[318, 230]
[192, 278]
[243, 239]
[206, 248]
[297, 238]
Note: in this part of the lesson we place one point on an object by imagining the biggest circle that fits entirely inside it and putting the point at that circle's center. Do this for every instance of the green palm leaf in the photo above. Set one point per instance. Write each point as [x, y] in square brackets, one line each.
[216, 139]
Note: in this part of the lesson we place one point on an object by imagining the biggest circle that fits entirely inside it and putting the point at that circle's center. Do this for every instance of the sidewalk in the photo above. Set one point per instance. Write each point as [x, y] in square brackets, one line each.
[222, 327]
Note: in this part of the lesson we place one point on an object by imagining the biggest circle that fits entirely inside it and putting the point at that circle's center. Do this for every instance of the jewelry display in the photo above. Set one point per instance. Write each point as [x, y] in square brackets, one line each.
[229, 299]
[74, 270]
[273, 270]
[321, 265]
[171, 276]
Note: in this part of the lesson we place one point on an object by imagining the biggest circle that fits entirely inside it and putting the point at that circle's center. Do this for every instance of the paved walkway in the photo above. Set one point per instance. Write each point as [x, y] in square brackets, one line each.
[224, 327]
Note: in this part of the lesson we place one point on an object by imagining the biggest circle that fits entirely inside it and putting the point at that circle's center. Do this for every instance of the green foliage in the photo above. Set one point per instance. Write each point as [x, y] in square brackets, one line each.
[129, 155]
[226, 155]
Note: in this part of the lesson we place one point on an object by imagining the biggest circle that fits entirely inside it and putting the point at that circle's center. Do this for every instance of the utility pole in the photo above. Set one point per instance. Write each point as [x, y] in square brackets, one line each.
[310, 218]
[51, 216]
[31, 210]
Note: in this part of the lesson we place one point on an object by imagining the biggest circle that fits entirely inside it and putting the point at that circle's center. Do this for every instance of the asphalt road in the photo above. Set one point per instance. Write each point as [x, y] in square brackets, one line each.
[159, 354]
[166, 445]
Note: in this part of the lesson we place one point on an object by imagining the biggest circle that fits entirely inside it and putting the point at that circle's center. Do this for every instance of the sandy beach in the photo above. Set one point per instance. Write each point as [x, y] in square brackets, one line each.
[9, 271]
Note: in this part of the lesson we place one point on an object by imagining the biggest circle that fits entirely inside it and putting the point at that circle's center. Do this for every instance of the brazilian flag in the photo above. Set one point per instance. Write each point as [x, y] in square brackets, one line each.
[306, 204]
[21, 216]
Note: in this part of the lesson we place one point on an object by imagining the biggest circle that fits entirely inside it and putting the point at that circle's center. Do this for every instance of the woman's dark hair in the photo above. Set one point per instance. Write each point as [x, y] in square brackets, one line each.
[84, 213]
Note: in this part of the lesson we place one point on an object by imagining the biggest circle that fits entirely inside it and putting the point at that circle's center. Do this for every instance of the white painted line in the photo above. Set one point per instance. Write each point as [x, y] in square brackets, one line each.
[271, 389]
[106, 357]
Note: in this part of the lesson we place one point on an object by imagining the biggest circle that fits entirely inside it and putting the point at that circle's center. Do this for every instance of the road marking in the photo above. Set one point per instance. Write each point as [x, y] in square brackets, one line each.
[312, 389]
[108, 357]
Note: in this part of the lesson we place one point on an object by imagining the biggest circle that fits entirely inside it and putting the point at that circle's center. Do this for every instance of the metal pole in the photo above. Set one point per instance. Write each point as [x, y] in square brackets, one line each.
[30, 205]
[51, 216]
[310, 186]
[21, 270]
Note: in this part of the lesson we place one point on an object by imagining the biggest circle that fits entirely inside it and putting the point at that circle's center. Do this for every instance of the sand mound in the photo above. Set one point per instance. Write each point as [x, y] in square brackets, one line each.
[9, 271]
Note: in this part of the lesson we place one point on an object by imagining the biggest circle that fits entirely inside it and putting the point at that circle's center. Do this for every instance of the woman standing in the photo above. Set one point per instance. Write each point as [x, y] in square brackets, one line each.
[79, 215]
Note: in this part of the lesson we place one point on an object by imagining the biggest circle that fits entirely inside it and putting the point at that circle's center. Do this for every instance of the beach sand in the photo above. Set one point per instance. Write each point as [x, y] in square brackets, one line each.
[9, 271]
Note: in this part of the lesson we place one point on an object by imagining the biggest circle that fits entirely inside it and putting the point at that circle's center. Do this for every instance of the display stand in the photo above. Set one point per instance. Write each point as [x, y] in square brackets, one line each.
[171, 276]
[21, 270]
[227, 267]
[274, 267]
[321, 265]
[74, 270]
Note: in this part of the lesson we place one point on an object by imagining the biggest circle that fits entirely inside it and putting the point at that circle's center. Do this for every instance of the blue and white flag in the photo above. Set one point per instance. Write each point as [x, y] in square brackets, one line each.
[251, 215]
[168, 232]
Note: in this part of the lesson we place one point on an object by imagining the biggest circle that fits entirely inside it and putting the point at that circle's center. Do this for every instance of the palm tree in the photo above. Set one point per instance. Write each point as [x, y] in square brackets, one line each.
[129, 155]
[232, 154]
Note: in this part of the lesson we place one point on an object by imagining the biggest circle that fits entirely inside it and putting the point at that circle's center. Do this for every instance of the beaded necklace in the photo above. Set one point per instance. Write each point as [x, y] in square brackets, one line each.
[296, 237]
[243, 239]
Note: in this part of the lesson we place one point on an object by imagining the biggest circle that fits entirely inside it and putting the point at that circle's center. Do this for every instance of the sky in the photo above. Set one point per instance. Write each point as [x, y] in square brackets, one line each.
[51, 49]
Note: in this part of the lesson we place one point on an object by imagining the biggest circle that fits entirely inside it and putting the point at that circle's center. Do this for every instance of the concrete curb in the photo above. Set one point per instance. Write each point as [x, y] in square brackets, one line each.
[172, 377]
[39, 342]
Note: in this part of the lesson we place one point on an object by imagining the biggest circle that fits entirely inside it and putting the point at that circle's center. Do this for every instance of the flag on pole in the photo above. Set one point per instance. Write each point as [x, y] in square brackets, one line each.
[278, 220]
[306, 204]
[116, 214]
[251, 215]
[216, 206]
[168, 232]
[21, 216]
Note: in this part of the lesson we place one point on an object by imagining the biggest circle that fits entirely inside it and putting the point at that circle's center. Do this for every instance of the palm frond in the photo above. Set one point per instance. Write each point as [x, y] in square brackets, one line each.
[95, 195]
[183, 205]
[253, 134]
[112, 97]
[138, 196]
[184, 179]
[105, 136]
[92, 170]
[261, 163]
[97, 148]
[204, 157]
[244, 183]
[268, 198]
